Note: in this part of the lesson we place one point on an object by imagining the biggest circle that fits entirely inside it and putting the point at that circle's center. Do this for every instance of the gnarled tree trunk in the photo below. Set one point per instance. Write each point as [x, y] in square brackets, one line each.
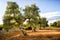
[23, 32]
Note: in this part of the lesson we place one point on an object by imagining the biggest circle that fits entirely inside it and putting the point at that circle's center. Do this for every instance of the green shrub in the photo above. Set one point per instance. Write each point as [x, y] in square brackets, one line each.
[27, 27]
[1, 26]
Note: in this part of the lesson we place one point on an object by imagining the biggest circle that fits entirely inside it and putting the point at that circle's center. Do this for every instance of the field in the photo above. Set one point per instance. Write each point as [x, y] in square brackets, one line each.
[39, 35]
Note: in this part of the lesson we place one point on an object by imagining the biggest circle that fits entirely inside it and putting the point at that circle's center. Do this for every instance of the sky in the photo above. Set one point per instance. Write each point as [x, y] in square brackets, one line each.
[49, 8]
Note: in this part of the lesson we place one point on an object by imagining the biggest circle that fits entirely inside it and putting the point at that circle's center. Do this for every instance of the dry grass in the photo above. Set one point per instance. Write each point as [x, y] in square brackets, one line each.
[43, 32]
[39, 35]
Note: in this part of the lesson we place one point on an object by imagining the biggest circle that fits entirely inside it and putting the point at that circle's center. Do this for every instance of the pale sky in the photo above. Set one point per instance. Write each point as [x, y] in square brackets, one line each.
[48, 8]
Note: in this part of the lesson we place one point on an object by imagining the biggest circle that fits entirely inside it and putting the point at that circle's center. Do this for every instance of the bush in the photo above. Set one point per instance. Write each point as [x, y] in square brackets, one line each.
[27, 27]
[1, 26]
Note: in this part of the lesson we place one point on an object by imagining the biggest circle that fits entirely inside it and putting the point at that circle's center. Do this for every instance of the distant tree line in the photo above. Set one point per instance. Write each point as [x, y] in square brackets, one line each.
[55, 24]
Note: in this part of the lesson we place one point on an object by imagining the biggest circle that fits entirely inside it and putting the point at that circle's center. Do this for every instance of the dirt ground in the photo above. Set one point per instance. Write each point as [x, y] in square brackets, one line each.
[39, 35]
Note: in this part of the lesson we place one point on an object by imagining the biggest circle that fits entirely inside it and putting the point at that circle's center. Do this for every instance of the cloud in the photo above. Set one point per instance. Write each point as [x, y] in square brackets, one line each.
[51, 16]
[51, 21]
[54, 18]
[1, 22]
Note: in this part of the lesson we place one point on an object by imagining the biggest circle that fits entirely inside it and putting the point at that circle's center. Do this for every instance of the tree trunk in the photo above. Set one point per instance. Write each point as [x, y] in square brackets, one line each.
[23, 32]
[33, 28]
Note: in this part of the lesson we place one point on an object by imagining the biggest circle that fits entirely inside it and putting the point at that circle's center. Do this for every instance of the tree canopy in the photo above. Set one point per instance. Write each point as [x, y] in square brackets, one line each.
[13, 16]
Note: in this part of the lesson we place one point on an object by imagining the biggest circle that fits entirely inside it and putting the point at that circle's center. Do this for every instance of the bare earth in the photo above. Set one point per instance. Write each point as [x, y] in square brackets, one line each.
[43, 32]
[39, 35]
